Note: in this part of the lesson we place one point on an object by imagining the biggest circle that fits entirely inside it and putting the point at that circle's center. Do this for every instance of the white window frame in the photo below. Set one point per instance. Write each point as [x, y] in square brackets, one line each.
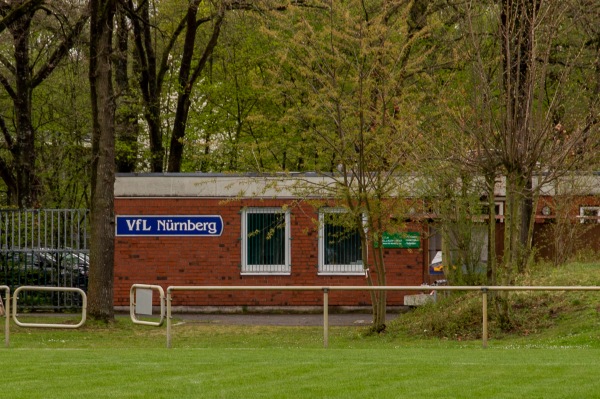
[582, 216]
[355, 269]
[262, 269]
[500, 211]
[434, 246]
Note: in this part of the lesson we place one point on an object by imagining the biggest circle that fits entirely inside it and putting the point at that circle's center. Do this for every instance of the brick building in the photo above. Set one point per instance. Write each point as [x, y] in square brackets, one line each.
[203, 229]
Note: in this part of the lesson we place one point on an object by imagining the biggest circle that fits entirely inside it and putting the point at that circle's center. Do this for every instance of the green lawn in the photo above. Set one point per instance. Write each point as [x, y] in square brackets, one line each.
[219, 361]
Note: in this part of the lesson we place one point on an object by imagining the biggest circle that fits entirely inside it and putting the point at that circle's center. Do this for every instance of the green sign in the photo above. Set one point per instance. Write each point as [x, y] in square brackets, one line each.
[409, 239]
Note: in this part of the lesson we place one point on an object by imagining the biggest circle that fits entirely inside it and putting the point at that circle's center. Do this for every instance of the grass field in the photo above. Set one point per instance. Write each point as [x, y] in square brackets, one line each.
[553, 352]
[220, 361]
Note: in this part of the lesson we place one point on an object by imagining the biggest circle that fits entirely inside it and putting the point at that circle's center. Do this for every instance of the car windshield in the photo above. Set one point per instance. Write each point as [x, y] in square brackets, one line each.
[74, 260]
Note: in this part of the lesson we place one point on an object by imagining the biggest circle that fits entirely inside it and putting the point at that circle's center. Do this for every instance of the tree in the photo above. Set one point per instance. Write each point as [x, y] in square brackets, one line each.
[127, 127]
[63, 134]
[150, 71]
[174, 47]
[19, 77]
[13, 12]
[157, 54]
[103, 163]
[346, 69]
[188, 75]
[525, 116]
[237, 124]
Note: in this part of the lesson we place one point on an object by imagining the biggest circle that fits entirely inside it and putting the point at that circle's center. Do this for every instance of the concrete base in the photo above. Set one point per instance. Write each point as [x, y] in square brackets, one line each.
[418, 300]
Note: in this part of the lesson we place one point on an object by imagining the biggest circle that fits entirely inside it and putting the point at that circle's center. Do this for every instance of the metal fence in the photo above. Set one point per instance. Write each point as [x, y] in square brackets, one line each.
[45, 247]
[484, 290]
[11, 304]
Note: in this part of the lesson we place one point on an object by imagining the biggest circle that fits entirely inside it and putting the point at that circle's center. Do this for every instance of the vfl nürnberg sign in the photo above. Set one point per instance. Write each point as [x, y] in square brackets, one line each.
[189, 225]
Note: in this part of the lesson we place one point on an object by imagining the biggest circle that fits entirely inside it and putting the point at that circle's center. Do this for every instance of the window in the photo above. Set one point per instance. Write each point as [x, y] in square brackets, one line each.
[265, 241]
[498, 210]
[467, 247]
[589, 214]
[339, 245]
[436, 265]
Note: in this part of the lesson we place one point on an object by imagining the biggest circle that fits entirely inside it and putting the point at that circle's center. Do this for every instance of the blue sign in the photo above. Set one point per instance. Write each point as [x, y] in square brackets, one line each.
[192, 225]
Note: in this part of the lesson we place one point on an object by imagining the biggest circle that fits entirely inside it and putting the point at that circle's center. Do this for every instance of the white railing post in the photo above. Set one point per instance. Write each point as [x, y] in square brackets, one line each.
[169, 318]
[484, 311]
[6, 309]
[325, 317]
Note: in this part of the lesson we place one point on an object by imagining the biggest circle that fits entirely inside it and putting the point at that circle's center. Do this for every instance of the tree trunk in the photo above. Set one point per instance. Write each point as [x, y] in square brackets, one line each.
[6, 172]
[150, 80]
[492, 262]
[187, 78]
[127, 129]
[375, 243]
[512, 255]
[527, 224]
[25, 145]
[378, 298]
[380, 306]
[100, 293]
[517, 35]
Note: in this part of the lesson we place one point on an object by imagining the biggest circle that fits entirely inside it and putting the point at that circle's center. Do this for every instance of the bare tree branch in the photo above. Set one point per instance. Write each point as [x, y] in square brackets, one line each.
[13, 15]
[60, 52]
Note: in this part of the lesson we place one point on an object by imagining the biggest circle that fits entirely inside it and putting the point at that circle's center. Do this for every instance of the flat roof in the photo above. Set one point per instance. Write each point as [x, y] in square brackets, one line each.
[221, 185]
[294, 185]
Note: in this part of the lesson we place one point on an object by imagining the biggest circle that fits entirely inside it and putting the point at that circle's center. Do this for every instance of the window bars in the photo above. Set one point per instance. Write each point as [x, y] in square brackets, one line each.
[340, 249]
[265, 241]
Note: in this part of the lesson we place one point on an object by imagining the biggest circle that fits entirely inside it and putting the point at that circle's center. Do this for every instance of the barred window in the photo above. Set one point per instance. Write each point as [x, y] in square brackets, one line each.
[339, 245]
[265, 241]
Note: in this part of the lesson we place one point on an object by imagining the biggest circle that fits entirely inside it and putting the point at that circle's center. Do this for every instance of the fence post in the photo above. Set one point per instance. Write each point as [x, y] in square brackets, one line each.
[484, 298]
[168, 317]
[6, 314]
[325, 317]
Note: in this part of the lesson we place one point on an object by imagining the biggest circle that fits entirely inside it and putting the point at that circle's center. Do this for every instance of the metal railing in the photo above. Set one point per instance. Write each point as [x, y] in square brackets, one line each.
[326, 290]
[50, 289]
[133, 302]
[11, 303]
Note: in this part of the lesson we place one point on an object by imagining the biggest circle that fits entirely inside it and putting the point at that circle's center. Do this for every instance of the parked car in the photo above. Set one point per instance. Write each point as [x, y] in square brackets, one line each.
[45, 267]
[25, 268]
[76, 266]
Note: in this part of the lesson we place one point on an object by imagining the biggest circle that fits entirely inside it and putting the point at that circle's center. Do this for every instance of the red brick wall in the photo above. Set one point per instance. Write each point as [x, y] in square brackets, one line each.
[170, 261]
[567, 234]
